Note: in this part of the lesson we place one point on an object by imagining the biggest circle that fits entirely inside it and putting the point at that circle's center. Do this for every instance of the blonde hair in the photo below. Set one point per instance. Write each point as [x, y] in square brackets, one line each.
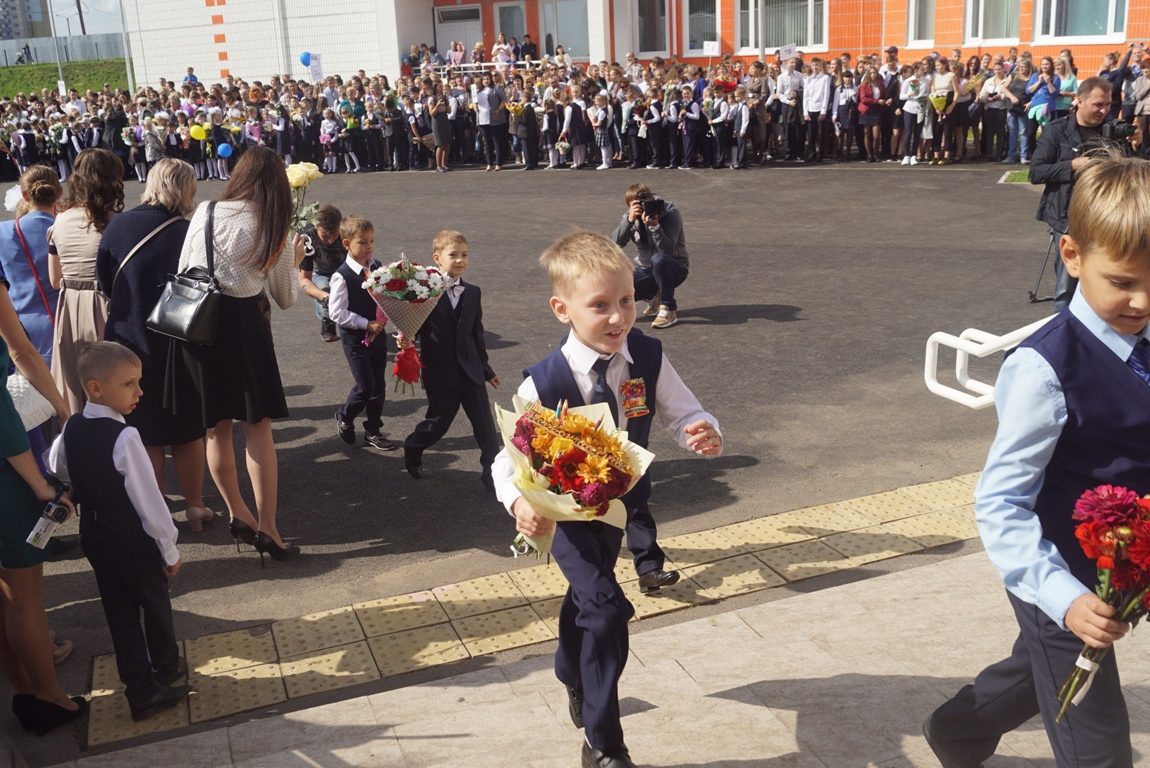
[172, 186]
[42, 186]
[354, 224]
[1110, 210]
[582, 253]
[100, 359]
[445, 238]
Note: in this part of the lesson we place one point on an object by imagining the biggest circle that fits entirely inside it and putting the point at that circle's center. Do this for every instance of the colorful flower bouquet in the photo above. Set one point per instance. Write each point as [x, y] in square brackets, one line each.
[1114, 532]
[300, 175]
[406, 293]
[571, 464]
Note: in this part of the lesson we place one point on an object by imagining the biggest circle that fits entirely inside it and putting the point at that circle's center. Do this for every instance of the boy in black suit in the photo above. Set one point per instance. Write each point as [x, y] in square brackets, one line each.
[455, 367]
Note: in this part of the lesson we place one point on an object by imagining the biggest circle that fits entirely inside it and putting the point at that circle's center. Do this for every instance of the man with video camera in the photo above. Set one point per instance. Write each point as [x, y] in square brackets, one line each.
[1062, 153]
[661, 265]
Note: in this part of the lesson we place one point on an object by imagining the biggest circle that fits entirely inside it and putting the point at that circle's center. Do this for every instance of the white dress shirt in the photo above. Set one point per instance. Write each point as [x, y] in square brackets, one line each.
[817, 93]
[454, 288]
[337, 299]
[675, 405]
[131, 461]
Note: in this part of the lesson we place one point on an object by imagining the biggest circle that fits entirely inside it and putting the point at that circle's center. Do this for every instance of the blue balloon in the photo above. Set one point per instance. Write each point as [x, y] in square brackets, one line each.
[225, 150]
[305, 59]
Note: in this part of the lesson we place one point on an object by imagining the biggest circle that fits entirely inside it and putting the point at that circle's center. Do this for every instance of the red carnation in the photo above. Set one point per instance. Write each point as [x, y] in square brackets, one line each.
[1109, 504]
[1139, 549]
[1097, 541]
[395, 284]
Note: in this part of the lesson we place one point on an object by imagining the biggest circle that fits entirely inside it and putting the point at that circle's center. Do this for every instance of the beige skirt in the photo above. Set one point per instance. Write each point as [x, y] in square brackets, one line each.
[80, 316]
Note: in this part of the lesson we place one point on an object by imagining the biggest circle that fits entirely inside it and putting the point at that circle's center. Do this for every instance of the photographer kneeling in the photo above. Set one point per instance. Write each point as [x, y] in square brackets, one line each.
[656, 228]
[1062, 153]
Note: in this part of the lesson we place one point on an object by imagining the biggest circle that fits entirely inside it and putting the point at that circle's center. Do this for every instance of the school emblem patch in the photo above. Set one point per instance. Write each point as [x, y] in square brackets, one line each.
[633, 393]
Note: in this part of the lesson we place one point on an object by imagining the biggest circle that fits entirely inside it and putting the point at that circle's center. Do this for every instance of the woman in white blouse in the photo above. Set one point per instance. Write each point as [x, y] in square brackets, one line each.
[502, 53]
[238, 378]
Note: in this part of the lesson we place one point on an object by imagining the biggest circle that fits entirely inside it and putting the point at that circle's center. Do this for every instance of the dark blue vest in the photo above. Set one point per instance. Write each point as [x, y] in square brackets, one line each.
[358, 299]
[555, 382]
[1107, 434]
[106, 511]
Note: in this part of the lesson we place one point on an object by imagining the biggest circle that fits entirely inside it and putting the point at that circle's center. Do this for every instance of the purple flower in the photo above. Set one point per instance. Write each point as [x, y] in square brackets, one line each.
[593, 495]
[524, 433]
[1108, 504]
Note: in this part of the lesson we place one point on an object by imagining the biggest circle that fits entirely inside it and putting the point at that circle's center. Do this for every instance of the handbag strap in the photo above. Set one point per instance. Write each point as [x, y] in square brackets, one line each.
[141, 244]
[209, 238]
[35, 274]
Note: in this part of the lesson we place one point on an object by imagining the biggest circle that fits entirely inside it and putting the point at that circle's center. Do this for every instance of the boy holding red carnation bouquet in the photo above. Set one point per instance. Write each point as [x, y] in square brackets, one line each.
[604, 360]
[1074, 414]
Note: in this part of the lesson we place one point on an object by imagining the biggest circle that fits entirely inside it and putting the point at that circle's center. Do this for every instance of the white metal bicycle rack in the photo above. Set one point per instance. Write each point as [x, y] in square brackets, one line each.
[975, 394]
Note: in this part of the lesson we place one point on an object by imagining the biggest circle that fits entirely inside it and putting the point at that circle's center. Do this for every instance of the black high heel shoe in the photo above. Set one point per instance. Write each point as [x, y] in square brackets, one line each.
[264, 544]
[241, 531]
[22, 707]
[44, 716]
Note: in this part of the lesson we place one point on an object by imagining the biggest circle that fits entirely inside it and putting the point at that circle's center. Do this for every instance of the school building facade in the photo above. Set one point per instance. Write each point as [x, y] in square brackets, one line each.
[257, 38]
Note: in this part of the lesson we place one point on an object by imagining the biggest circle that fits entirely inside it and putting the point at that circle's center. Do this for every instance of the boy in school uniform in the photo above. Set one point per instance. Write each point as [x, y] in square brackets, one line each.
[126, 530]
[455, 367]
[1074, 412]
[604, 359]
[364, 343]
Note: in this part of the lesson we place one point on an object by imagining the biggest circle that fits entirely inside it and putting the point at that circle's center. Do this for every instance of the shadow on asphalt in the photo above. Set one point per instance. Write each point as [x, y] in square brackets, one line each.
[739, 314]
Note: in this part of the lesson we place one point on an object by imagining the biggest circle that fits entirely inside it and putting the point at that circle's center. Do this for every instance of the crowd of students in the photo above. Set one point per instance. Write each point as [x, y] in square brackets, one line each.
[556, 113]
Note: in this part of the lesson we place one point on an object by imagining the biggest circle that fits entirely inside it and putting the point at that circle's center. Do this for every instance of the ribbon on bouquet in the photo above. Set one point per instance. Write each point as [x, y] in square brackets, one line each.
[1090, 667]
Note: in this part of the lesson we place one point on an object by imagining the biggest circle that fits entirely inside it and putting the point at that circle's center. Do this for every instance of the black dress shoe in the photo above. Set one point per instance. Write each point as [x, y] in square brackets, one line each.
[172, 676]
[413, 462]
[612, 758]
[574, 705]
[165, 698]
[653, 581]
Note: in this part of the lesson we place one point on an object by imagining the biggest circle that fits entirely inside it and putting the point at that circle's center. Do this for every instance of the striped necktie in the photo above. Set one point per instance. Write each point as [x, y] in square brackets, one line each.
[601, 393]
[1139, 360]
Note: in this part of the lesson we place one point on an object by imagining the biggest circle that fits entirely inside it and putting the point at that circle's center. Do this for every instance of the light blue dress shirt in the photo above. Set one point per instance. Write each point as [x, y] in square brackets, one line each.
[1031, 414]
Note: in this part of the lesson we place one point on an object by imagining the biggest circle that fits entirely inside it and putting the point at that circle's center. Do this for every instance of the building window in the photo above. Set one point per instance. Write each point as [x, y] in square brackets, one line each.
[992, 19]
[801, 22]
[921, 26]
[702, 22]
[652, 26]
[747, 22]
[1082, 18]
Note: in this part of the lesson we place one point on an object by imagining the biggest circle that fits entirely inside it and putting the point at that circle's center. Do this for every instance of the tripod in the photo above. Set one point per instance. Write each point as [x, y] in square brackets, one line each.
[1034, 297]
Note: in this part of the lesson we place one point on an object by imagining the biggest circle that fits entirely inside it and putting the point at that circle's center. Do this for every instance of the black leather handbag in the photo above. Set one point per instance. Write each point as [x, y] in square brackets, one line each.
[188, 307]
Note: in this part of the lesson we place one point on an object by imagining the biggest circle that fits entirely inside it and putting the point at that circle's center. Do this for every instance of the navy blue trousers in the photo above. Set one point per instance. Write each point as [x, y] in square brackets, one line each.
[443, 405]
[593, 640]
[1007, 694]
[641, 535]
[369, 371]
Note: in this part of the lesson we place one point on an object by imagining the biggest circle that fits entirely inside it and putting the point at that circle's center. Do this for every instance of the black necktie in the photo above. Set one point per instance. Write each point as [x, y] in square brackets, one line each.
[1139, 360]
[601, 393]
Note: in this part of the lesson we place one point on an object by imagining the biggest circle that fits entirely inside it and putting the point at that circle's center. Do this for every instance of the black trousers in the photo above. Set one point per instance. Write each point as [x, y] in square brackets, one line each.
[739, 153]
[442, 406]
[369, 370]
[1005, 695]
[593, 640]
[641, 540]
[132, 581]
[814, 135]
[531, 151]
[792, 132]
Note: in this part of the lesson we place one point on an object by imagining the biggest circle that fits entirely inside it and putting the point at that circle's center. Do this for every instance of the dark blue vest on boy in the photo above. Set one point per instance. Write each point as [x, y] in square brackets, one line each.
[1106, 439]
[554, 382]
[106, 511]
[358, 299]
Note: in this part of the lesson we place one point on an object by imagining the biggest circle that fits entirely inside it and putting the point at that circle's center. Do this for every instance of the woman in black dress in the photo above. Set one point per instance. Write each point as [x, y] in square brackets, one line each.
[134, 278]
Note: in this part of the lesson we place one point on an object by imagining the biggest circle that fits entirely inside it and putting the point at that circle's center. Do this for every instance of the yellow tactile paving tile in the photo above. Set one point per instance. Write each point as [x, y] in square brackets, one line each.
[702, 547]
[541, 582]
[548, 610]
[110, 719]
[673, 598]
[803, 560]
[935, 528]
[223, 652]
[941, 495]
[483, 595]
[396, 614]
[827, 519]
[236, 690]
[333, 668]
[872, 544]
[314, 632]
[884, 507]
[625, 567]
[766, 532]
[416, 648]
[105, 678]
[734, 576]
[510, 628]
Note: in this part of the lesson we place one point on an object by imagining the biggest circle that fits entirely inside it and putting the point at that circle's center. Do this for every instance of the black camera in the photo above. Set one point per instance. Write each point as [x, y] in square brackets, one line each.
[651, 205]
[1117, 130]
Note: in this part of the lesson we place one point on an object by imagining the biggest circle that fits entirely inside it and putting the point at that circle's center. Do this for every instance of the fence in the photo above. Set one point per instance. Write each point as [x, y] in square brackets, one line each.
[77, 48]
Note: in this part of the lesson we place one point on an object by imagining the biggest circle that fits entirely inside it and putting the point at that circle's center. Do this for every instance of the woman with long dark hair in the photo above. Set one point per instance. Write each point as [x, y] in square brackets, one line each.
[238, 378]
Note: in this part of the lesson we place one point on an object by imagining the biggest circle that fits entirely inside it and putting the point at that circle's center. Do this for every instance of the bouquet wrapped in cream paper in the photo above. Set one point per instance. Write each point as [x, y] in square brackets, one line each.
[571, 464]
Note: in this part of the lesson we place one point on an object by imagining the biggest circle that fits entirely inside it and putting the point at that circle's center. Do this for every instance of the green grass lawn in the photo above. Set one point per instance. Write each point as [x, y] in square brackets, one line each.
[1018, 177]
[80, 75]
